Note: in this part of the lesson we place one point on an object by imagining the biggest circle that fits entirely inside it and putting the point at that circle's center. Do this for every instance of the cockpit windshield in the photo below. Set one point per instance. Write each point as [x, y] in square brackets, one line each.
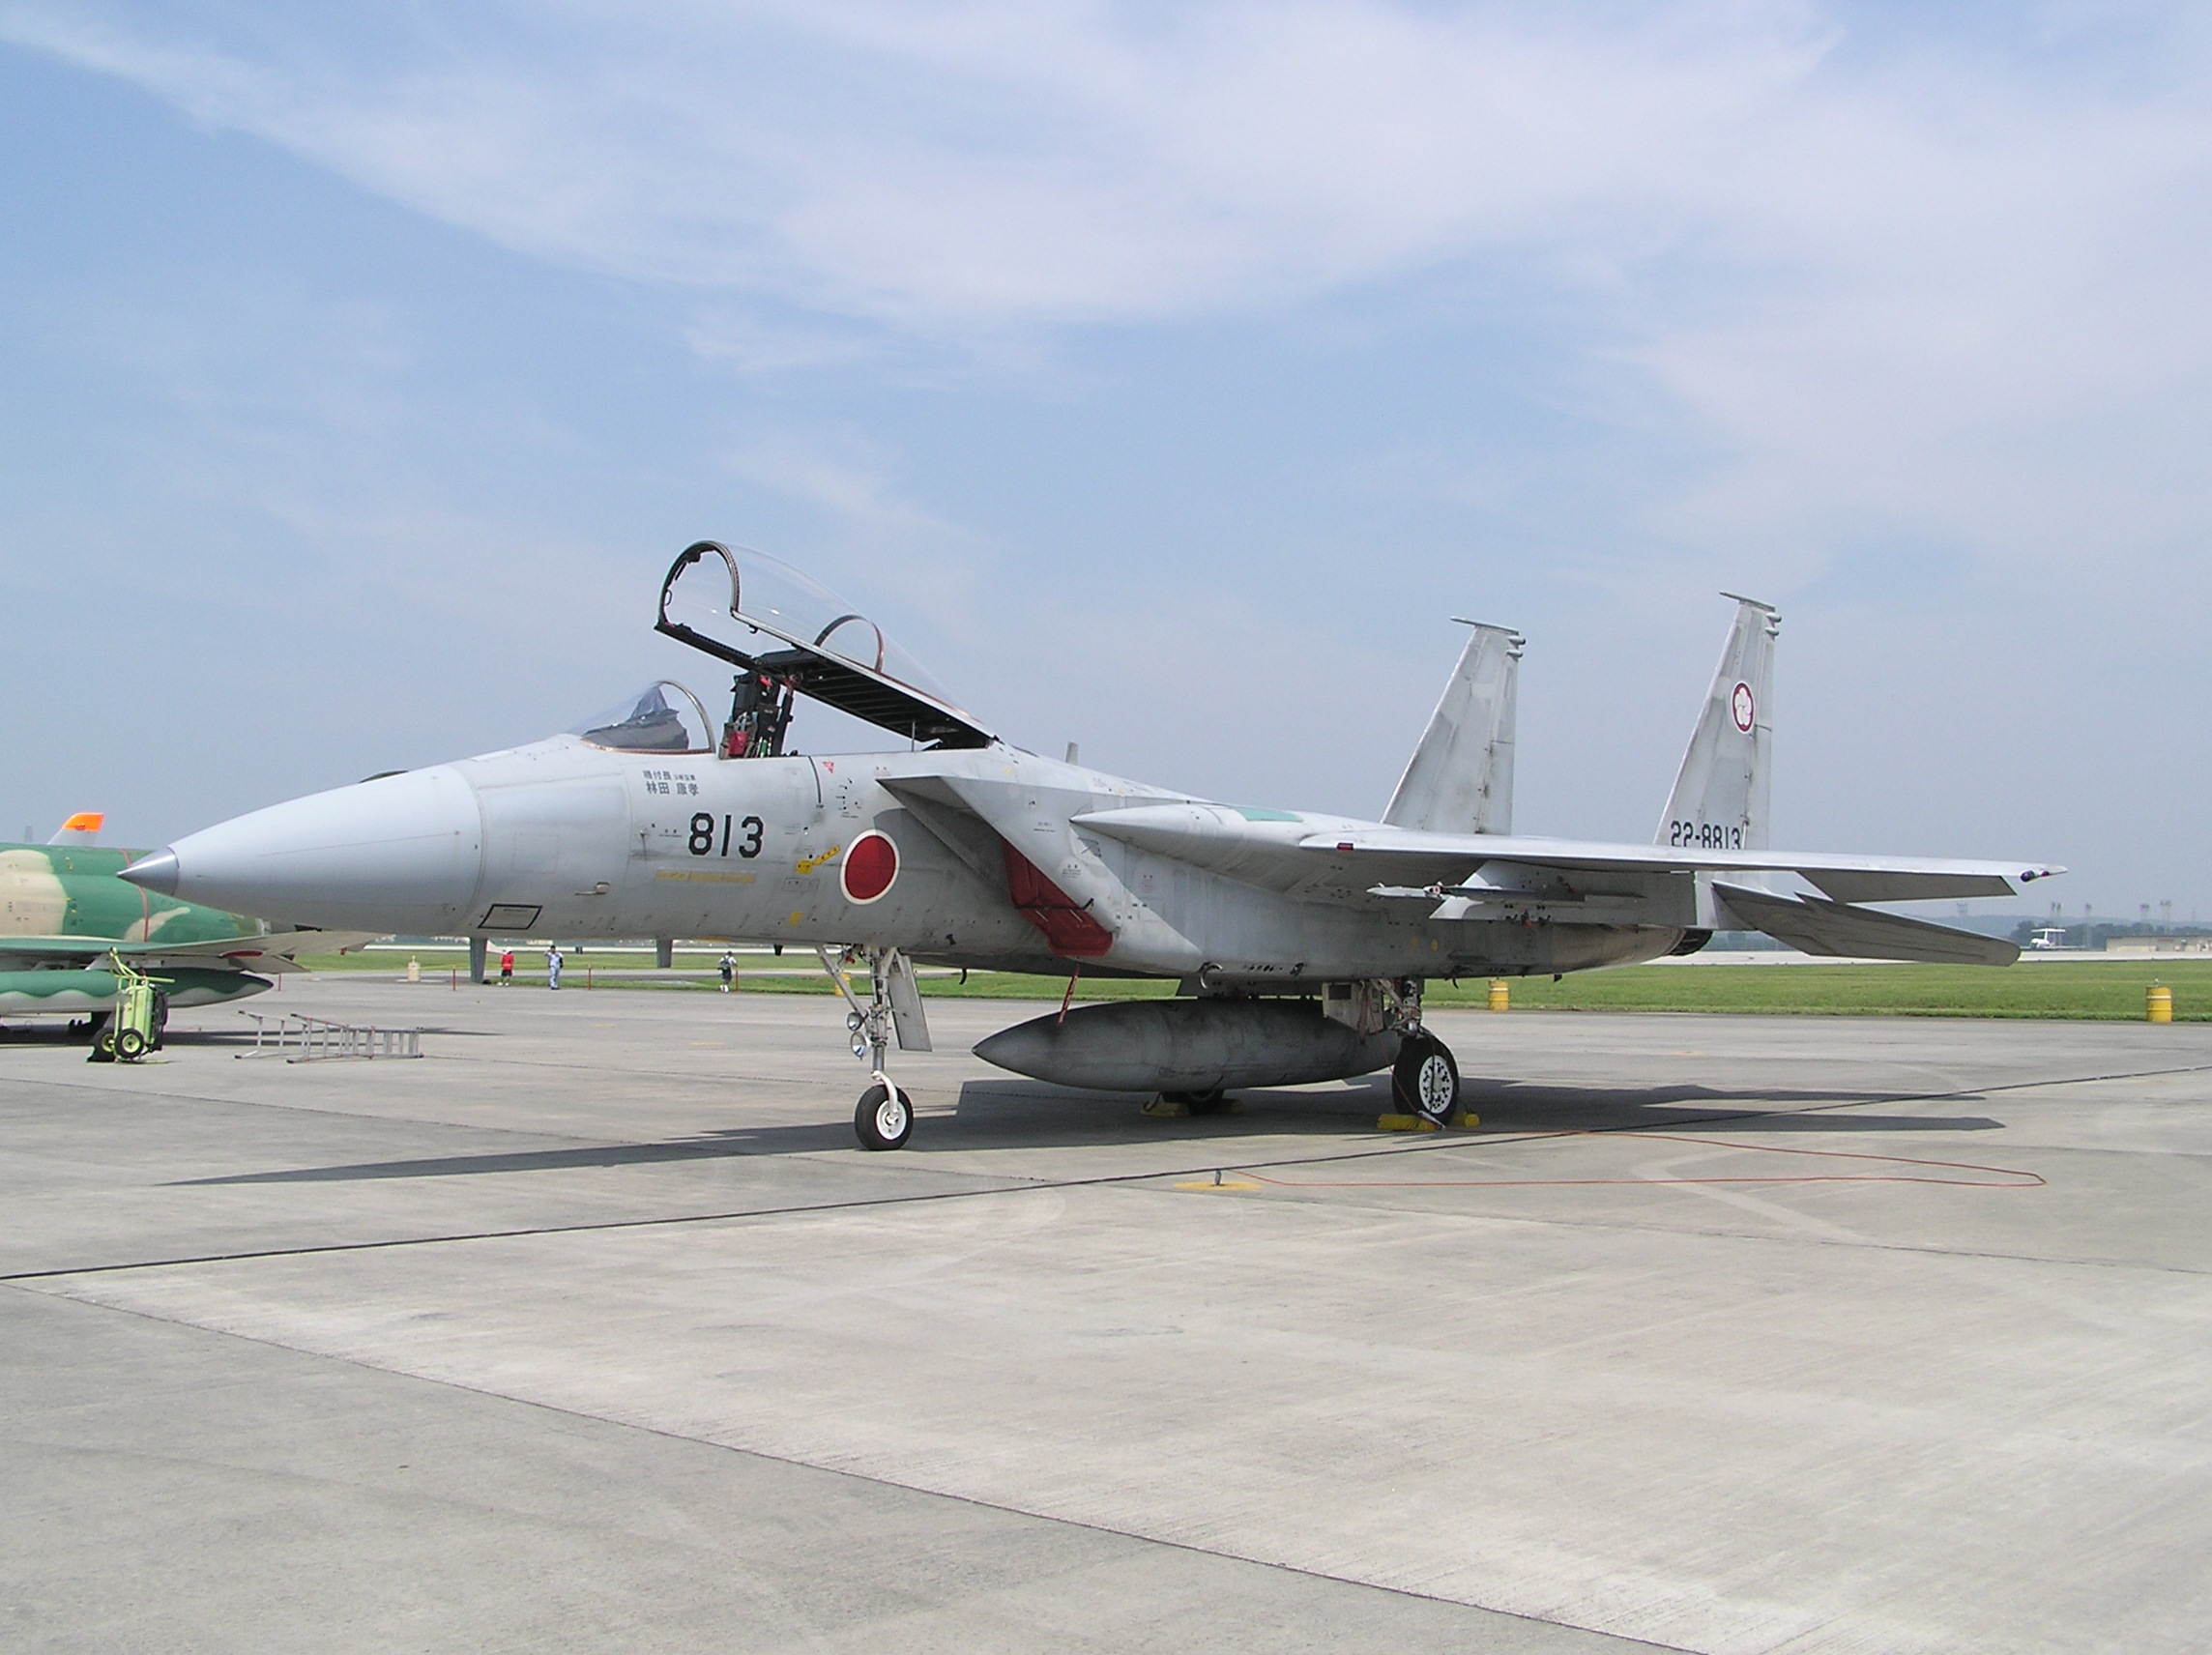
[788, 634]
[664, 717]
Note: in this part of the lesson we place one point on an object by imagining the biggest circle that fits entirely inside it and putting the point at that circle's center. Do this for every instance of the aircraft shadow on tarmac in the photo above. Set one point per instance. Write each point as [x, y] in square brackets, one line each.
[1012, 1109]
[1027, 1115]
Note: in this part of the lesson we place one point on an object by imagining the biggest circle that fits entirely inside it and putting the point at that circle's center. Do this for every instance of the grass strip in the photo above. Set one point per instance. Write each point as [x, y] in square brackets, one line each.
[2106, 991]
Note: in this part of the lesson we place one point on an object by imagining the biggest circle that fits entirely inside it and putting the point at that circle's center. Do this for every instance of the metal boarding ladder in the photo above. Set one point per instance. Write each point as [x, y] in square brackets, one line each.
[298, 1039]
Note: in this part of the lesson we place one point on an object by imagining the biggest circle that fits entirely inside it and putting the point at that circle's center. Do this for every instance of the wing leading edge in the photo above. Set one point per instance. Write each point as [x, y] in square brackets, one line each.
[278, 951]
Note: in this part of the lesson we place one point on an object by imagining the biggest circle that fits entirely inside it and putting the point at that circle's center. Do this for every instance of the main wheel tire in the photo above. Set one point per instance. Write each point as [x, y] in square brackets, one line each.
[1425, 1080]
[884, 1120]
[130, 1045]
[102, 1046]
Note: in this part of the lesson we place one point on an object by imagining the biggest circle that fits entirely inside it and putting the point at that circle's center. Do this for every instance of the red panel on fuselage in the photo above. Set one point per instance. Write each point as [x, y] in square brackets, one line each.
[1067, 929]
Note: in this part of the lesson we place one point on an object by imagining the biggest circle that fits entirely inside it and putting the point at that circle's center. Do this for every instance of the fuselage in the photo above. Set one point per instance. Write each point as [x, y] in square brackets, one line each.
[58, 901]
[563, 838]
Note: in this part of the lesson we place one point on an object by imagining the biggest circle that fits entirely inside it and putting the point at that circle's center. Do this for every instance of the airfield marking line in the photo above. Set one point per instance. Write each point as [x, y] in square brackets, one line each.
[1045, 1185]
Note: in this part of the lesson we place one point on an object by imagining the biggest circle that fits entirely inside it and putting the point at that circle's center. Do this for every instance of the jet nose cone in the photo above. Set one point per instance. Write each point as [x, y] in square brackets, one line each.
[157, 872]
[399, 854]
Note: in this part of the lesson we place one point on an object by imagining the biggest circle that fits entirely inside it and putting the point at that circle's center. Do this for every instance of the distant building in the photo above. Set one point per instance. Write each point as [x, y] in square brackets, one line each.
[2164, 943]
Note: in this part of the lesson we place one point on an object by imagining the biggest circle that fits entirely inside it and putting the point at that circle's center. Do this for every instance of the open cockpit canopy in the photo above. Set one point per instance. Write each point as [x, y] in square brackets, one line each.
[664, 717]
[788, 635]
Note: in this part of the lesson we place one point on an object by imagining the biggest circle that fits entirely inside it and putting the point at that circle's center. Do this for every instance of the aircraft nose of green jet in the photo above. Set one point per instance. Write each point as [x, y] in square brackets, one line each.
[157, 872]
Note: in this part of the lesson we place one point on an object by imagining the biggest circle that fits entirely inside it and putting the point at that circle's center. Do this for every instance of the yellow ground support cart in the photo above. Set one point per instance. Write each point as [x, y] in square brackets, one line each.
[134, 1028]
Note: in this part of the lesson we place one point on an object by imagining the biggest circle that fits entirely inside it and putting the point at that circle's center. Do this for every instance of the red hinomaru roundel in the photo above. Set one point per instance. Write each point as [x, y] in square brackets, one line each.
[869, 868]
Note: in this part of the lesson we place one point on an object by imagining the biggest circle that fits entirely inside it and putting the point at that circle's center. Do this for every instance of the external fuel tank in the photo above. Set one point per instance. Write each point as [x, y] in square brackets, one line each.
[1188, 1045]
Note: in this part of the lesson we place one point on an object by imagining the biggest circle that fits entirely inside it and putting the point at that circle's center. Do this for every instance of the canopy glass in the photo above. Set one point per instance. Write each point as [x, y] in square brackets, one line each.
[663, 718]
[765, 617]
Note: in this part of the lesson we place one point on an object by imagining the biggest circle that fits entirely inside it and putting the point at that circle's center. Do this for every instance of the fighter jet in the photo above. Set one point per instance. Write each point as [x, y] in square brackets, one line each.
[1300, 941]
[63, 910]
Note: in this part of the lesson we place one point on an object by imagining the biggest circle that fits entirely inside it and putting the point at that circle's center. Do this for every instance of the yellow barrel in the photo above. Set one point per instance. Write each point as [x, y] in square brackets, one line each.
[1501, 994]
[2158, 1003]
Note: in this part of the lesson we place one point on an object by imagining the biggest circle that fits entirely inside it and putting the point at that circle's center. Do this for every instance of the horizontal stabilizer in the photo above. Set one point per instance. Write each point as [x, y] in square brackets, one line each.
[1815, 925]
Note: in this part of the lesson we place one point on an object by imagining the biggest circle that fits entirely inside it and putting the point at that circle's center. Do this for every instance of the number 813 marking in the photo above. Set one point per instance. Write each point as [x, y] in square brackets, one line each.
[702, 840]
[1703, 836]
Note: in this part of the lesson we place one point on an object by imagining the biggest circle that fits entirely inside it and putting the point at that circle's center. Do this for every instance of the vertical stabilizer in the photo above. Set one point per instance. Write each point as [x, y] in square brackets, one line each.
[1459, 779]
[1719, 797]
[82, 828]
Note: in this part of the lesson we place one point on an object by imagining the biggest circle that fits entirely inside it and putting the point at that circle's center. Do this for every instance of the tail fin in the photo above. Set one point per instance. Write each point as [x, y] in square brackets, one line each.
[1720, 797]
[1460, 778]
[82, 828]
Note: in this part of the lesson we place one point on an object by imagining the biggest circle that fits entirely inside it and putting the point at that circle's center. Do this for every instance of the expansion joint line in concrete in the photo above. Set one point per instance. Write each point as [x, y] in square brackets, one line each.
[1042, 1185]
[2015, 1176]
[971, 1501]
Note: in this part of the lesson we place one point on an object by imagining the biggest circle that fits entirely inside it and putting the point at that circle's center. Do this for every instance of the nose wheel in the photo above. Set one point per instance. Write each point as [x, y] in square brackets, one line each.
[884, 1119]
[1425, 1080]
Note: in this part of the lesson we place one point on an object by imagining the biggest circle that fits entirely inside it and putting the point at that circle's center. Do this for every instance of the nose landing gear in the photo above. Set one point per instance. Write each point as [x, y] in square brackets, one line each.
[883, 1119]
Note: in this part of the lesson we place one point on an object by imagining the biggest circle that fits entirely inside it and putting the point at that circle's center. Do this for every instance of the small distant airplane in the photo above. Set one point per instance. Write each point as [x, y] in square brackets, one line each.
[63, 909]
[1300, 941]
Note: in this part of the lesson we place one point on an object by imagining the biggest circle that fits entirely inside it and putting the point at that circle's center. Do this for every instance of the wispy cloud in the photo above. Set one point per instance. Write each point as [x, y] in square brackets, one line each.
[1949, 281]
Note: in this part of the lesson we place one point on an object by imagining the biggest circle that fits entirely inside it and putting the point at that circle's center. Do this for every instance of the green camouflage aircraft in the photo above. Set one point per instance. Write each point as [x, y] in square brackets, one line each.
[62, 910]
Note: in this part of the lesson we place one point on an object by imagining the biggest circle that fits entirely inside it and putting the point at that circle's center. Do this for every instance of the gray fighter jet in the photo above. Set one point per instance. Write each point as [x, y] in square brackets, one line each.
[1300, 941]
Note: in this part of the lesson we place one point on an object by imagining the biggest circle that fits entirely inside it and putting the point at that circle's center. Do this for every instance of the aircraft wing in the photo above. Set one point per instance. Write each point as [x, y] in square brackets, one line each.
[1845, 877]
[277, 952]
[1288, 852]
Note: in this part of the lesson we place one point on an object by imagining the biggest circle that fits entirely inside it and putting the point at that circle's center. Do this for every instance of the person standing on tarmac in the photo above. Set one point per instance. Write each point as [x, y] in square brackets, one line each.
[729, 970]
[553, 965]
[505, 967]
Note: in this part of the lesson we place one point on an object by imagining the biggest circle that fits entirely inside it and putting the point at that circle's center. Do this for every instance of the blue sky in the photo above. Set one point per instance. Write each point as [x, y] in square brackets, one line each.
[1164, 377]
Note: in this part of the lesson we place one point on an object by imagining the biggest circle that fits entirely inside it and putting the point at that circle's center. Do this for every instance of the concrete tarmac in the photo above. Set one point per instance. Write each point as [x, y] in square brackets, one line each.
[594, 1328]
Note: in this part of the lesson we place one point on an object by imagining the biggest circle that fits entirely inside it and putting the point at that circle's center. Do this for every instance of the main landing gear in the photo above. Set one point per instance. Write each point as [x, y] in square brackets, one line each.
[1425, 1079]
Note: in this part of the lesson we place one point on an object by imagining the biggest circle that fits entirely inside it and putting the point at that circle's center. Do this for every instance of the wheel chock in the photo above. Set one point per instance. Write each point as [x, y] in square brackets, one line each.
[1405, 1124]
[1466, 1118]
[1160, 1109]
